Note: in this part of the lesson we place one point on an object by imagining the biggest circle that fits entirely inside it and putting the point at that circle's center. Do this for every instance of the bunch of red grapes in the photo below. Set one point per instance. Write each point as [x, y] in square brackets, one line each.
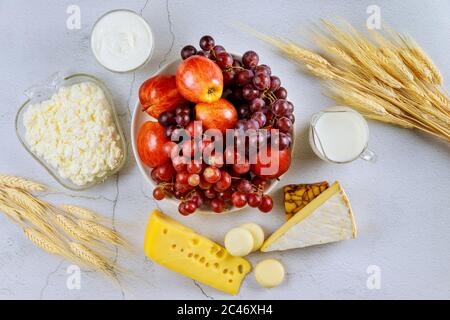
[260, 102]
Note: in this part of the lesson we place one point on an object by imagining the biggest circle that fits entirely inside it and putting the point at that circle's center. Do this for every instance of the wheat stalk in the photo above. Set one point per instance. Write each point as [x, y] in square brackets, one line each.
[25, 200]
[92, 259]
[71, 228]
[389, 79]
[80, 212]
[21, 183]
[101, 232]
[54, 229]
[43, 241]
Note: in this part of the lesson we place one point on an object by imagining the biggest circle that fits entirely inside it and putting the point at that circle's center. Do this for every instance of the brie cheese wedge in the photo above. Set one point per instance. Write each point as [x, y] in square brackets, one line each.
[327, 218]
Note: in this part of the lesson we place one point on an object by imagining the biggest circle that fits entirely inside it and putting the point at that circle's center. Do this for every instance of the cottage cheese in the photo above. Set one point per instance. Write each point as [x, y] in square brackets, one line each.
[75, 133]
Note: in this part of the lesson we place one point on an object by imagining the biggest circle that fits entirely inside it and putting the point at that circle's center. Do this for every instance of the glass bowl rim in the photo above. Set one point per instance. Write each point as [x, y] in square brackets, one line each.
[43, 163]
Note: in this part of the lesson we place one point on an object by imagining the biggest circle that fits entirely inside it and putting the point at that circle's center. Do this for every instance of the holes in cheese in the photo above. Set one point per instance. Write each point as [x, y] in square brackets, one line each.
[257, 234]
[269, 273]
[194, 256]
[239, 242]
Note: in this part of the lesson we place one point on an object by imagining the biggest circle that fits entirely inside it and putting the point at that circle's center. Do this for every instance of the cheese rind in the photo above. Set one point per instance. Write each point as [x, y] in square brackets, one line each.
[327, 218]
[180, 249]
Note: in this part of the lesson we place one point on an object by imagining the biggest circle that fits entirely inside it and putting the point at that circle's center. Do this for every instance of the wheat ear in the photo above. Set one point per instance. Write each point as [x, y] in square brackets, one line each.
[81, 212]
[43, 242]
[92, 259]
[71, 228]
[101, 232]
[21, 183]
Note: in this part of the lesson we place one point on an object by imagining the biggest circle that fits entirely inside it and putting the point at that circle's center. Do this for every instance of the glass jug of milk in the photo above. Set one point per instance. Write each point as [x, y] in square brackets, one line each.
[340, 135]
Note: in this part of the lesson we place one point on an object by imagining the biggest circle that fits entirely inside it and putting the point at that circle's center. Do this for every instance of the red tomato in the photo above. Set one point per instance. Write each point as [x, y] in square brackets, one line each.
[278, 164]
[150, 143]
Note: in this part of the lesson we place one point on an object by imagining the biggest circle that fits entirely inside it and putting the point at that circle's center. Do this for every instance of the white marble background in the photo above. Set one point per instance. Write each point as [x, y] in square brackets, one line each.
[401, 203]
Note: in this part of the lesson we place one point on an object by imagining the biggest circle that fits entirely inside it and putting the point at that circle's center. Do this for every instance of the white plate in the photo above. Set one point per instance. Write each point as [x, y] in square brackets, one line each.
[139, 117]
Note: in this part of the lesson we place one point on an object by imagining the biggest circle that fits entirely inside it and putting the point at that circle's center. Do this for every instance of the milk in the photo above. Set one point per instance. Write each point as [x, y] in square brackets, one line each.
[339, 134]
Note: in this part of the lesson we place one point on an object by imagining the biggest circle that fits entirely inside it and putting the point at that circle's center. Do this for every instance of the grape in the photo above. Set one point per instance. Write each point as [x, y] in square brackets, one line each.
[206, 43]
[284, 124]
[182, 109]
[280, 107]
[250, 59]
[154, 176]
[281, 93]
[190, 206]
[260, 117]
[179, 163]
[215, 160]
[224, 60]
[259, 183]
[249, 92]
[261, 81]
[211, 174]
[244, 77]
[165, 172]
[198, 198]
[240, 125]
[193, 167]
[182, 177]
[168, 131]
[266, 203]
[252, 124]
[264, 69]
[269, 117]
[237, 64]
[275, 83]
[188, 51]
[257, 105]
[217, 205]
[243, 111]
[292, 118]
[217, 49]
[194, 179]
[205, 54]
[283, 141]
[182, 119]
[166, 118]
[210, 193]
[239, 199]
[204, 185]
[170, 148]
[244, 186]
[225, 195]
[241, 168]
[254, 199]
[182, 187]
[228, 77]
[224, 183]
[237, 92]
[159, 193]
[182, 209]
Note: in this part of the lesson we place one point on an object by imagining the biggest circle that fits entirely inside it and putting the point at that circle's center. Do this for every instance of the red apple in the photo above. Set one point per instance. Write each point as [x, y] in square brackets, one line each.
[279, 163]
[217, 115]
[150, 142]
[159, 94]
[199, 80]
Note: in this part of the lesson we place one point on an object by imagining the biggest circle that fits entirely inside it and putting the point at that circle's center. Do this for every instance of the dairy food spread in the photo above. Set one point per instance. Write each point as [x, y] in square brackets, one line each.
[75, 133]
[121, 40]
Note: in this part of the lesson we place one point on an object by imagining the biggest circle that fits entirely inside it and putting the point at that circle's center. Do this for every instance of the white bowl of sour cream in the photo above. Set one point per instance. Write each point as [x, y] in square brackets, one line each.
[122, 41]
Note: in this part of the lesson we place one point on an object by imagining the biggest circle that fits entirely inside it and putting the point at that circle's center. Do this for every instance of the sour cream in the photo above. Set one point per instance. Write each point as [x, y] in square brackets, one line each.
[121, 40]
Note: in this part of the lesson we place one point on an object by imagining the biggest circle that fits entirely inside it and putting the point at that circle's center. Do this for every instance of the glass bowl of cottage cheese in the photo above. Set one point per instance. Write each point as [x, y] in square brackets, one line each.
[70, 126]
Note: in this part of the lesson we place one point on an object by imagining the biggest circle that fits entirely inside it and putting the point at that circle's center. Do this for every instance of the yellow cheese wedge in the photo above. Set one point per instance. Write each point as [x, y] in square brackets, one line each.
[327, 218]
[180, 249]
